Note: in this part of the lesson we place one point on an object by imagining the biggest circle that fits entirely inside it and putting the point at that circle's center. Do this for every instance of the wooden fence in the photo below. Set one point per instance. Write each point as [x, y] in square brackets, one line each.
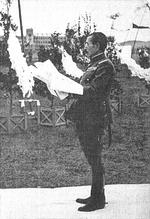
[29, 110]
[52, 116]
[49, 116]
[144, 100]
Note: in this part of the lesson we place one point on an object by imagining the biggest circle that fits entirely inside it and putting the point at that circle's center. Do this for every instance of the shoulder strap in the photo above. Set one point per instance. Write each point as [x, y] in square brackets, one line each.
[105, 60]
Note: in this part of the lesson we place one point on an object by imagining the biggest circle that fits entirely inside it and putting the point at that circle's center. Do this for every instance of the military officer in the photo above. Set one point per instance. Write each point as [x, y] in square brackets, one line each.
[90, 112]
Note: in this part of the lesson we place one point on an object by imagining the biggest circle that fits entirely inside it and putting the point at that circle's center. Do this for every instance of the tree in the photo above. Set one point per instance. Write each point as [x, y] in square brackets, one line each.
[9, 80]
[111, 52]
[144, 57]
[53, 54]
[43, 54]
[75, 38]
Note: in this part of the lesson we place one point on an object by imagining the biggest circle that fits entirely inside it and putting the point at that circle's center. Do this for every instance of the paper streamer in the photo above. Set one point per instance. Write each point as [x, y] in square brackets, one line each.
[70, 66]
[58, 84]
[136, 69]
[25, 77]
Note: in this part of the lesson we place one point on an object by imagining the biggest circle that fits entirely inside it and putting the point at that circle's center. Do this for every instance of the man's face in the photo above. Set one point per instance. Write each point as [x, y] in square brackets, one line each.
[90, 48]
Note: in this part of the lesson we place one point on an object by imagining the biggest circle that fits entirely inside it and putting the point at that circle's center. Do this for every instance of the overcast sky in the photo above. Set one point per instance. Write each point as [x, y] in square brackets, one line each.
[47, 16]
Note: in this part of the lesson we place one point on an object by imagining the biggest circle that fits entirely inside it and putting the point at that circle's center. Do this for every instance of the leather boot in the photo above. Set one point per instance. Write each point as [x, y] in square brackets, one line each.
[92, 206]
[94, 203]
[83, 200]
[87, 200]
[97, 200]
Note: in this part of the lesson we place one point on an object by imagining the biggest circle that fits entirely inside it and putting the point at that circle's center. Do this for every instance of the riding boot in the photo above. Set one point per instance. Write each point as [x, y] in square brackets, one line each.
[97, 188]
[97, 200]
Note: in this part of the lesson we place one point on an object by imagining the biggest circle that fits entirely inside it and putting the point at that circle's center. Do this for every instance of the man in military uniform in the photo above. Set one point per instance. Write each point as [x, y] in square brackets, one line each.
[89, 113]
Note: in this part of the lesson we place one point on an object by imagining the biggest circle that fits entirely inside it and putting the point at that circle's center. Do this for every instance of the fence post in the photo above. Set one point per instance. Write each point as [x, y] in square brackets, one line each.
[38, 113]
[53, 116]
[9, 124]
[25, 120]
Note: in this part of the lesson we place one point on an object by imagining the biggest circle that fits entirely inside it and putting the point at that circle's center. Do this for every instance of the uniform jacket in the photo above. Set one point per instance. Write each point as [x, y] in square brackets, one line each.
[90, 108]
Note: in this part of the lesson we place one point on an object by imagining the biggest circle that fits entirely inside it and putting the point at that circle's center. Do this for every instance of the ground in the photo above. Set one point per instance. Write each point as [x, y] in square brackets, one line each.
[51, 157]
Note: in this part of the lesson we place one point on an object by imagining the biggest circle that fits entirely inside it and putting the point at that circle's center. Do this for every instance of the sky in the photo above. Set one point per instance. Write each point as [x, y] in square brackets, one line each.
[47, 16]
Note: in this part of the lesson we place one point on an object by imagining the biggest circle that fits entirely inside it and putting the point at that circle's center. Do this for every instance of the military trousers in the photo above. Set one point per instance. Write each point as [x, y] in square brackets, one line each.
[90, 138]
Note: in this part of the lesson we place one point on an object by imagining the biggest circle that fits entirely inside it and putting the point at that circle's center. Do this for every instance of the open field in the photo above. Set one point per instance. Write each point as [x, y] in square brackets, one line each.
[51, 157]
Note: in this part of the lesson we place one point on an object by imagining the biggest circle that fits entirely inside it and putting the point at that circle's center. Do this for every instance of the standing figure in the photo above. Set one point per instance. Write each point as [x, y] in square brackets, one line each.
[90, 112]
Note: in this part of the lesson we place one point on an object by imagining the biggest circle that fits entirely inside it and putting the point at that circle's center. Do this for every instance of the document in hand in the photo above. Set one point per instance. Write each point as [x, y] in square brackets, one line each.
[57, 83]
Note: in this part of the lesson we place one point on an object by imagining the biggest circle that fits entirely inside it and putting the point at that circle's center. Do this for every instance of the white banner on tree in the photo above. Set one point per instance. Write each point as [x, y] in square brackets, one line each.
[25, 77]
[136, 70]
[70, 66]
[57, 83]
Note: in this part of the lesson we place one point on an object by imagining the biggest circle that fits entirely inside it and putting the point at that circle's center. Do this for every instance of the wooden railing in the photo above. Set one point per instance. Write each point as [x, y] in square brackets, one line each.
[144, 100]
[50, 116]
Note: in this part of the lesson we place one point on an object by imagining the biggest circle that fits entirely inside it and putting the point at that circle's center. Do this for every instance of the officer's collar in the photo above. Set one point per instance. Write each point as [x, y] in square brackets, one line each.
[99, 56]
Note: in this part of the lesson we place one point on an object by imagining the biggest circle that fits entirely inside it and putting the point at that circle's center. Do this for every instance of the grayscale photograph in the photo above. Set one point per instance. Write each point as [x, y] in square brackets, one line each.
[74, 109]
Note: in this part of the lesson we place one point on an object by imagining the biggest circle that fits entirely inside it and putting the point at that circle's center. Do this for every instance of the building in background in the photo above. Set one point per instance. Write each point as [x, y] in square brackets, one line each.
[35, 41]
[32, 43]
